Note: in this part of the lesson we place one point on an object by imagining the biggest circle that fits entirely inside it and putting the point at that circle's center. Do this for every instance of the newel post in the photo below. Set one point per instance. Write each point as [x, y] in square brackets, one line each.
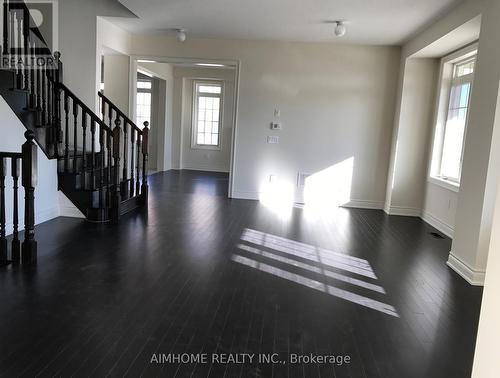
[29, 182]
[115, 188]
[145, 141]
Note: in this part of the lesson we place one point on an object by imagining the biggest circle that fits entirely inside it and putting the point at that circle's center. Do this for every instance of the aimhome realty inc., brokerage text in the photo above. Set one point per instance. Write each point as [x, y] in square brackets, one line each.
[248, 358]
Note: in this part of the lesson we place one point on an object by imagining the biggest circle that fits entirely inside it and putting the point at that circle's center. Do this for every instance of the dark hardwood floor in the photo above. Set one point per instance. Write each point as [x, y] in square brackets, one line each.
[203, 273]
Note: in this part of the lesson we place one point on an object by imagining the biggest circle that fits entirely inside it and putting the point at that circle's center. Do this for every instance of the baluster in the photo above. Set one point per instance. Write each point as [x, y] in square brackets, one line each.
[115, 200]
[75, 134]
[6, 11]
[145, 140]
[110, 117]
[103, 109]
[66, 132]
[138, 165]
[84, 156]
[92, 149]
[132, 145]
[43, 74]
[50, 102]
[32, 95]
[19, 76]
[16, 244]
[38, 91]
[3, 239]
[26, 46]
[12, 35]
[101, 176]
[56, 96]
[125, 188]
[29, 181]
[109, 167]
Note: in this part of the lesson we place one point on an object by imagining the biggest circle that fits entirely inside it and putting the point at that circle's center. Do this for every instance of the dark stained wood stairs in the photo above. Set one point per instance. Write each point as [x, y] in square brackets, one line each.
[102, 159]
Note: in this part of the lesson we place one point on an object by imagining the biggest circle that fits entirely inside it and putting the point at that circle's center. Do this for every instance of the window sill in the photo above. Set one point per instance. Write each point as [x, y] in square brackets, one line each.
[450, 185]
[205, 147]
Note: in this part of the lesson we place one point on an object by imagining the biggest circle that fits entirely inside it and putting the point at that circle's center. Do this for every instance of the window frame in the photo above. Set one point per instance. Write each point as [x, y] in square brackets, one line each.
[447, 83]
[144, 90]
[194, 115]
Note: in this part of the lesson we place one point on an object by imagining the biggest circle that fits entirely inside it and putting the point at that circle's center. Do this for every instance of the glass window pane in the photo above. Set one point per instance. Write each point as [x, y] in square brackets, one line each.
[453, 143]
[465, 68]
[216, 89]
[144, 85]
[216, 102]
[215, 139]
[201, 138]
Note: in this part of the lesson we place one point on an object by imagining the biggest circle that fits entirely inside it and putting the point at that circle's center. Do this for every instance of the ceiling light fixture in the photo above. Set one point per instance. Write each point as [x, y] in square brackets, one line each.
[340, 28]
[181, 35]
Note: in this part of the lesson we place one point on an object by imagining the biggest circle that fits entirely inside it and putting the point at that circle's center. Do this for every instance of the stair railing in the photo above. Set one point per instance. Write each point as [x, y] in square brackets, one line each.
[72, 128]
[135, 143]
[22, 164]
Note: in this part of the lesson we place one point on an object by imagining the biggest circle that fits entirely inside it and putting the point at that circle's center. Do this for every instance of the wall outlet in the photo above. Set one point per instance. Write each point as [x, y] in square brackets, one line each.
[273, 139]
[276, 126]
[273, 178]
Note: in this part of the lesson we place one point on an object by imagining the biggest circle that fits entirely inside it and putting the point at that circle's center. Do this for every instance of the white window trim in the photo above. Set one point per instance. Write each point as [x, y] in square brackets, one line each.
[194, 115]
[441, 114]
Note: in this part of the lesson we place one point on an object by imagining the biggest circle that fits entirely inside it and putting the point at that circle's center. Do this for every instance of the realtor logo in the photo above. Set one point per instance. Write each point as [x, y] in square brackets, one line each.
[29, 33]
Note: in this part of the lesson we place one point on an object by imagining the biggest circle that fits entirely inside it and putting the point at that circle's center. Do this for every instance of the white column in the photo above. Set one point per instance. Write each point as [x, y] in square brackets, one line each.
[481, 158]
[410, 149]
[488, 338]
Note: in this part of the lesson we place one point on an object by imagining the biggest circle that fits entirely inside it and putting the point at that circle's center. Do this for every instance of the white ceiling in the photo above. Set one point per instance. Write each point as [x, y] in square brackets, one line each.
[383, 22]
[461, 36]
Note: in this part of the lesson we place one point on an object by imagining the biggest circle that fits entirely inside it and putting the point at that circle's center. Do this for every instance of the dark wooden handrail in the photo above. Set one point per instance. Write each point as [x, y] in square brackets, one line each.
[11, 155]
[84, 107]
[119, 112]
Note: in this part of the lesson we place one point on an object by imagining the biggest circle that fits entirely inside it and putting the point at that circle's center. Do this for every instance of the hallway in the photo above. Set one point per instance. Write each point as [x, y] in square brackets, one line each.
[200, 273]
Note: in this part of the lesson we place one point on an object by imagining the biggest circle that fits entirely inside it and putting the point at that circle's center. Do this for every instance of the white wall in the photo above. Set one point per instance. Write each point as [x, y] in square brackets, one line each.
[46, 196]
[81, 39]
[413, 125]
[198, 159]
[481, 162]
[336, 102]
[488, 337]
[440, 207]
[116, 73]
[162, 132]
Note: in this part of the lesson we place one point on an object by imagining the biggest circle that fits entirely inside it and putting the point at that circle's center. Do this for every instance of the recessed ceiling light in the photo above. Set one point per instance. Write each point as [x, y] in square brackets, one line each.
[210, 65]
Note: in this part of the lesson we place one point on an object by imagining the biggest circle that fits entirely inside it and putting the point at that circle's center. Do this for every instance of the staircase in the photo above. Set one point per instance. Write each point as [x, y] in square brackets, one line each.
[102, 159]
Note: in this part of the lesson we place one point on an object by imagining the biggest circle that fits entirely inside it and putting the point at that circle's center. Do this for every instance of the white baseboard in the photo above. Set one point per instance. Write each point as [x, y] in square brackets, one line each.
[71, 211]
[41, 216]
[438, 224]
[254, 196]
[472, 276]
[217, 170]
[364, 204]
[356, 204]
[403, 211]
